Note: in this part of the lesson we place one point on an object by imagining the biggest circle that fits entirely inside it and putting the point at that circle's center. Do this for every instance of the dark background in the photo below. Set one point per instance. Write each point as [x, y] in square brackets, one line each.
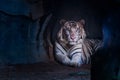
[22, 25]
[21, 28]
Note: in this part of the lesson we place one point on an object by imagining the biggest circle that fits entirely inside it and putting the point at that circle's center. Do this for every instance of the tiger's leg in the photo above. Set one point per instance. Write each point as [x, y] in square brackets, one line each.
[76, 60]
[62, 58]
[61, 55]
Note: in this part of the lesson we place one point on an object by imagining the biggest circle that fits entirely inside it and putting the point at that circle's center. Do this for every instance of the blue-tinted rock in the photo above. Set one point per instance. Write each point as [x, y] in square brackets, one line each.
[18, 40]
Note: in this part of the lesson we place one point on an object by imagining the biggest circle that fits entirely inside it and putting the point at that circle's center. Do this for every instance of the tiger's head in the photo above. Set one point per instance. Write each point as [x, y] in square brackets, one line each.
[72, 32]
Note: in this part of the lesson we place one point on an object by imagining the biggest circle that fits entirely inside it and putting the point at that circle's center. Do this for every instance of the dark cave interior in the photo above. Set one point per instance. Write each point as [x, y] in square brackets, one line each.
[21, 37]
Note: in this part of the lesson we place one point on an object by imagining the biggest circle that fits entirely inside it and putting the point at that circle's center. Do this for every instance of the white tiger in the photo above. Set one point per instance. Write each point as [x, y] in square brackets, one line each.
[71, 47]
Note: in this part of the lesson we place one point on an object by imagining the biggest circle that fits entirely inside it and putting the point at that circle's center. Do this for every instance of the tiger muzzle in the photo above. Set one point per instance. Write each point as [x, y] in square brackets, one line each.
[72, 36]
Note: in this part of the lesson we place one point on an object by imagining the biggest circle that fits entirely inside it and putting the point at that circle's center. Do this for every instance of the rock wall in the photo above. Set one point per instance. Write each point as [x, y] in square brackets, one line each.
[18, 40]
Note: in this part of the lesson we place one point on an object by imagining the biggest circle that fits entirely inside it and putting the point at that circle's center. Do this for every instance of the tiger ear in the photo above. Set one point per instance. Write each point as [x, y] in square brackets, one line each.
[62, 21]
[82, 22]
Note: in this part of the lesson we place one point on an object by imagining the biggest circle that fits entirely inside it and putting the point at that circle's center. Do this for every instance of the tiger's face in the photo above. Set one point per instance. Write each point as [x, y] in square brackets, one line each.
[72, 32]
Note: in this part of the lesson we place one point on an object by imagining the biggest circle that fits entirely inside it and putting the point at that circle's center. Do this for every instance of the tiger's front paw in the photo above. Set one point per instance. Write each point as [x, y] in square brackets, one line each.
[75, 64]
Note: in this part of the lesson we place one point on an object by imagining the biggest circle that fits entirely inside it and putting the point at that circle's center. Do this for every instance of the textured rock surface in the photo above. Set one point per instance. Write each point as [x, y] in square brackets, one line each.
[17, 7]
[44, 71]
[18, 40]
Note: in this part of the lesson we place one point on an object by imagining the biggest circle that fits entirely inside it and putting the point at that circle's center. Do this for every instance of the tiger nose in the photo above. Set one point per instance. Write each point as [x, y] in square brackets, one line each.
[72, 36]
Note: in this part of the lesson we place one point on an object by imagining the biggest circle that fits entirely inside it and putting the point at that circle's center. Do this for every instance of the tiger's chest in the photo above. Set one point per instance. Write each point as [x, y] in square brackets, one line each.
[76, 49]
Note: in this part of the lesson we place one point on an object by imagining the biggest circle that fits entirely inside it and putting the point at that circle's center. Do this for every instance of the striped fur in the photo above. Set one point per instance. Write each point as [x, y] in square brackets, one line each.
[78, 53]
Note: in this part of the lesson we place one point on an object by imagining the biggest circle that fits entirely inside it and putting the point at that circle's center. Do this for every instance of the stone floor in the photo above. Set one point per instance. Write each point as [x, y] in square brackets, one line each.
[44, 71]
